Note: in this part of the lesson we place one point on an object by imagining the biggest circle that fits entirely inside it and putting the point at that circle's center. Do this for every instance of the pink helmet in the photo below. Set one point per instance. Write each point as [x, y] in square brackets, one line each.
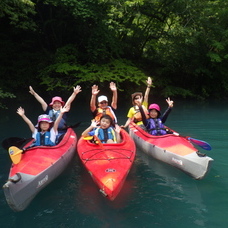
[154, 106]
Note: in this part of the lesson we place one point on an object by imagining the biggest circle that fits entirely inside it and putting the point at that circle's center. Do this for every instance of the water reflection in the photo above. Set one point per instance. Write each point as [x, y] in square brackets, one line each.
[90, 202]
[174, 186]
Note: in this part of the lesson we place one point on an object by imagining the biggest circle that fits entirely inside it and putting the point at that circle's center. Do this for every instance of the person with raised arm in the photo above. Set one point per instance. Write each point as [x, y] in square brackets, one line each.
[102, 103]
[134, 113]
[104, 130]
[46, 131]
[155, 123]
[53, 109]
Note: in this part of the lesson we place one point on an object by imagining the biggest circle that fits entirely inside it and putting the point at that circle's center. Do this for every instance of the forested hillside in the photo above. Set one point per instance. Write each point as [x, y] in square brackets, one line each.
[56, 44]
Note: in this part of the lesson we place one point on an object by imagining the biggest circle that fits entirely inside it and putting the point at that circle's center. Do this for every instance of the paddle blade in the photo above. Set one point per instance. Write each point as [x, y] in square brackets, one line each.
[15, 141]
[7, 143]
[75, 125]
[202, 144]
[98, 141]
[15, 154]
[88, 138]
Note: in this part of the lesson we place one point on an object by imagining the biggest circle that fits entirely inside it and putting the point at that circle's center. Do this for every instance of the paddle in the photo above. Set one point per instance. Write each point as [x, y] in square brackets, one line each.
[74, 125]
[15, 154]
[96, 140]
[201, 143]
[20, 142]
[14, 141]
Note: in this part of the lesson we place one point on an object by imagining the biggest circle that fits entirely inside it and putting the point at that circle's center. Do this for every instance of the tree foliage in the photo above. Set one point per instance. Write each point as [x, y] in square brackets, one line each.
[66, 71]
[182, 44]
[19, 13]
[4, 95]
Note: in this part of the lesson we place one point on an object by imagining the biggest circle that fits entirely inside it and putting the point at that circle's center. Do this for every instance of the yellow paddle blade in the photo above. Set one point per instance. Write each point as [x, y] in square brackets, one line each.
[88, 138]
[15, 154]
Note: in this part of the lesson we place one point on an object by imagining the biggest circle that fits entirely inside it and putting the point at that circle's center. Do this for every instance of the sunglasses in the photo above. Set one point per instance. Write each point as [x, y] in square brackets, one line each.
[103, 102]
[136, 98]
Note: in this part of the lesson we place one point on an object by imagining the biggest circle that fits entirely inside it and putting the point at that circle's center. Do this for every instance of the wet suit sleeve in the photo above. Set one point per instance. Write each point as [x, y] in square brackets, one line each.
[144, 120]
[166, 114]
[47, 110]
[94, 113]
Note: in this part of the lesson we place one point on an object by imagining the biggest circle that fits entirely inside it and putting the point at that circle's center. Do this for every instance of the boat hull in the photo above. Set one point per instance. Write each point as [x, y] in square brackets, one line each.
[108, 164]
[38, 167]
[173, 150]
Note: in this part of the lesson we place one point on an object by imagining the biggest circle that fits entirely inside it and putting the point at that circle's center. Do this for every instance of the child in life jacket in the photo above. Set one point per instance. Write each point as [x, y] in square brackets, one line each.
[103, 107]
[134, 113]
[155, 123]
[45, 132]
[53, 109]
[105, 132]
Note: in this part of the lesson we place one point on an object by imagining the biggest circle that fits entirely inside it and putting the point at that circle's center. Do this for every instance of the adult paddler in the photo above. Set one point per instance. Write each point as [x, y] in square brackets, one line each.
[102, 103]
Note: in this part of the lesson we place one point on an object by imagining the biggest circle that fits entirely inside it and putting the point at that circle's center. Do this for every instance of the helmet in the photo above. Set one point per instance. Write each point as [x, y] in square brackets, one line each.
[154, 106]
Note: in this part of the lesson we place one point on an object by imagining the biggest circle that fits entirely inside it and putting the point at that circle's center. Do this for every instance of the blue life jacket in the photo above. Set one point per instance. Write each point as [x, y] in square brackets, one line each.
[43, 139]
[54, 115]
[155, 127]
[105, 134]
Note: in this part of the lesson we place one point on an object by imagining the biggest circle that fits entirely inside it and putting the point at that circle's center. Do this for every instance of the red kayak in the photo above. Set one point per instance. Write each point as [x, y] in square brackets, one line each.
[173, 149]
[37, 168]
[108, 164]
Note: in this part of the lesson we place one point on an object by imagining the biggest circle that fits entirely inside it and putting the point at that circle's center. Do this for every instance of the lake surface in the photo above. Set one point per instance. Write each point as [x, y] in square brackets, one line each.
[154, 195]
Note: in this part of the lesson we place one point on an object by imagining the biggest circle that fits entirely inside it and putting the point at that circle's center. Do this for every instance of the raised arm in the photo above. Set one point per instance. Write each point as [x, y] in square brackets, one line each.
[38, 98]
[169, 102]
[146, 95]
[127, 122]
[21, 112]
[114, 95]
[144, 119]
[168, 110]
[95, 91]
[117, 130]
[90, 128]
[77, 90]
[62, 111]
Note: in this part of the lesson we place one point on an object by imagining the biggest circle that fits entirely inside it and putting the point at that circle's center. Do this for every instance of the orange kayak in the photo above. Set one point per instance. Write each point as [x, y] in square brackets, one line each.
[108, 164]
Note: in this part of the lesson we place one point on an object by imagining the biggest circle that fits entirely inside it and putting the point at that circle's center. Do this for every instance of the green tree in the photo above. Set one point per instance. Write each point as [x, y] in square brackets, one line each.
[4, 95]
[19, 13]
[57, 43]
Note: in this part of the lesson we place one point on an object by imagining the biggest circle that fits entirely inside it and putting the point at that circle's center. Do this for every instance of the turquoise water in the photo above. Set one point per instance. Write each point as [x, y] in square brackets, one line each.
[154, 195]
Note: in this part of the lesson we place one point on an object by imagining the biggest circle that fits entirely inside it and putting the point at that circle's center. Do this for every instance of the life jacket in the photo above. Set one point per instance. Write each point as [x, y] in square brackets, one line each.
[138, 116]
[156, 127]
[43, 139]
[54, 115]
[107, 111]
[105, 134]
